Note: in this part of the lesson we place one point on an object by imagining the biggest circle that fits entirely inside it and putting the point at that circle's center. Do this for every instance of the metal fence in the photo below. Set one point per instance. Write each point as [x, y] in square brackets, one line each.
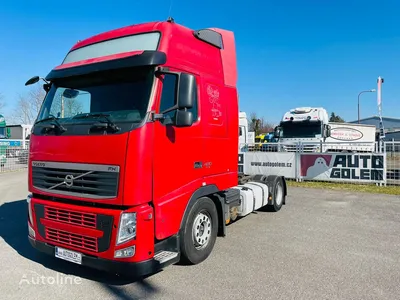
[355, 163]
[13, 155]
[349, 162]
[392, 150]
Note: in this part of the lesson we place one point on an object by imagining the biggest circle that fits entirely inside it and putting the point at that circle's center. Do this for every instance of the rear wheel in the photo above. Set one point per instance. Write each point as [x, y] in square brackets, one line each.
[279, 195]
[199, 233]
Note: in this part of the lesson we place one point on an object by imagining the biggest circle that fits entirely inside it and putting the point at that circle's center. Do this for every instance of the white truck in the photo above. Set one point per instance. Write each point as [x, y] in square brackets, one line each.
[246, 138]
[310, 129]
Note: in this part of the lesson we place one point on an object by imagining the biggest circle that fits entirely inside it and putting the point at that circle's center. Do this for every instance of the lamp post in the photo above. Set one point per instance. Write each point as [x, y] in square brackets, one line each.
[367, 91]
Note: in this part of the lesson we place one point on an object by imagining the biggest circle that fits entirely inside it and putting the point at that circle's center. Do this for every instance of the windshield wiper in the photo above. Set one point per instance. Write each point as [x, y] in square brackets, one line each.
[107, 124]
[54, 125]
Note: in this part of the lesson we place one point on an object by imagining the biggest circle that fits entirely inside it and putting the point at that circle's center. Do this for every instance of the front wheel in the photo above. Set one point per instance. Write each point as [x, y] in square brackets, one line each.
[199, 232]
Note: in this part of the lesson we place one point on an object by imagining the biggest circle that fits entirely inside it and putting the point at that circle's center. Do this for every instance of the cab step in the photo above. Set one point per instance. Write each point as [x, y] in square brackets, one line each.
[164, 256]
[166, 252]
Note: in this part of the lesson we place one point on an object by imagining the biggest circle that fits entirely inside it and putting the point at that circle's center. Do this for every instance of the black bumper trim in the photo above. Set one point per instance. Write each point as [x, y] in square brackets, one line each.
[137, 269]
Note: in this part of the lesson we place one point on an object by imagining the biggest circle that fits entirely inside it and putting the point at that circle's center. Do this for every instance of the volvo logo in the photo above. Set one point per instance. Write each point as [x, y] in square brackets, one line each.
[69, 180]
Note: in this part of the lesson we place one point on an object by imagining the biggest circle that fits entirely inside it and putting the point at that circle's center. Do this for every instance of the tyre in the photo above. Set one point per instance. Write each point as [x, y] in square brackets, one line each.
[279, 194]
[199, 233]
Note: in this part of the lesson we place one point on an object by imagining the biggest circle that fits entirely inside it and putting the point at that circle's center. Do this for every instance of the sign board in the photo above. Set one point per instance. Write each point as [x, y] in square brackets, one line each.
[346, 134]
[9, 143]
[268, 163]
[353, 167]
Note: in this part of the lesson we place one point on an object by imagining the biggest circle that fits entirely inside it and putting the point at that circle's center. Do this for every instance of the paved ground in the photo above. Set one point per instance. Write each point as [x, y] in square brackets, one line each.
[322, 245]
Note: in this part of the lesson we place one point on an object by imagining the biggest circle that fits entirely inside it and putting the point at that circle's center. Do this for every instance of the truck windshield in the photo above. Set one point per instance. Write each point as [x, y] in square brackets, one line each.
[300, 129]
[2, 132]
[121, 94]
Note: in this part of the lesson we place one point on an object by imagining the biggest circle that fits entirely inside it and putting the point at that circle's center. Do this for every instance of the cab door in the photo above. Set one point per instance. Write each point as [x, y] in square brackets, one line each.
[178, 160]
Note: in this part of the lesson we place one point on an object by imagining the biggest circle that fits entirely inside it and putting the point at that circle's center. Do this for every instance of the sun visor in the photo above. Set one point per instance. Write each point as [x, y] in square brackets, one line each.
[137, 59]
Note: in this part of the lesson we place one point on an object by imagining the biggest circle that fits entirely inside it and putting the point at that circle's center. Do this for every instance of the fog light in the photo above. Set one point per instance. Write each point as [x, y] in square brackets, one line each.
[31, 231]
[127, 252]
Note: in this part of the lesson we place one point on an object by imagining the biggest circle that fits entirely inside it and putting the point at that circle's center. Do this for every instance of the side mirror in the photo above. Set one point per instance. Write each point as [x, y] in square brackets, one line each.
[186, 91]
[33, 80]
[277, 132]
[8, 132]
[327, 130]
[183, 118]
[185, 95]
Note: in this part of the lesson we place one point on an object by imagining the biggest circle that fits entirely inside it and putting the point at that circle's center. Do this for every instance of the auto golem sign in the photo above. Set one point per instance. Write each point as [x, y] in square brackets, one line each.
[344, 167]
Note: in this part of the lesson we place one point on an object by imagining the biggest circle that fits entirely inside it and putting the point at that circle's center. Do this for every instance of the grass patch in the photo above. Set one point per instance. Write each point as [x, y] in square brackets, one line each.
[366, 188]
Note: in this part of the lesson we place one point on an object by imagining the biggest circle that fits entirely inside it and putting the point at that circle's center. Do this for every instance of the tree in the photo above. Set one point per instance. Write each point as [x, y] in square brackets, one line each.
[2, 103]
[259, 124]
[28, 106]
[336, 118]
[65, 107]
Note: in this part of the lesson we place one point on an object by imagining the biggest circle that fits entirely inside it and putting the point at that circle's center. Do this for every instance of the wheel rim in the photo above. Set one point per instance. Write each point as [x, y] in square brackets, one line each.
[201, 230]
[279, 194]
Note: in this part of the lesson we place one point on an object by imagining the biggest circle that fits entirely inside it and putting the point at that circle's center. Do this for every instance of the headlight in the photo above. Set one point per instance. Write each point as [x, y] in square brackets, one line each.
[127, 227]
[28, 201]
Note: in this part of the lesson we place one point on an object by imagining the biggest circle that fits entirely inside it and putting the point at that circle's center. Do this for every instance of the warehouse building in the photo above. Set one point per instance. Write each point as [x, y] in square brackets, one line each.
[391, 125]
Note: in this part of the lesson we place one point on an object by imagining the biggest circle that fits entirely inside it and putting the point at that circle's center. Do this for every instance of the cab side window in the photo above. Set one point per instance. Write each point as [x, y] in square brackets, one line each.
[169, 97]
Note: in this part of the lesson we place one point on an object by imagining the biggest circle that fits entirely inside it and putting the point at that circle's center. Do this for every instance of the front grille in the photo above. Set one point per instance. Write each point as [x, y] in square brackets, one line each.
[70, 217]
[71, 239]
[56, 232]
[82, 180]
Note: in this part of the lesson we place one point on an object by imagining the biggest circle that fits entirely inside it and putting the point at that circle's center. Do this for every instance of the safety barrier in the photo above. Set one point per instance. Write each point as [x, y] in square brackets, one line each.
[356, 163]
[13, 155]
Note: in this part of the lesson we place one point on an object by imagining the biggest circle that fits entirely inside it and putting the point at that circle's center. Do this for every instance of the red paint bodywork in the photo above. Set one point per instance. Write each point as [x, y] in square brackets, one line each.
[156, 163]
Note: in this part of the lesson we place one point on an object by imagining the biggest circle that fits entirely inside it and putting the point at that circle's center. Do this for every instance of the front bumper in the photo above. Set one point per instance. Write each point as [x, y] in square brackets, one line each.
[93, 232]
[132, 269]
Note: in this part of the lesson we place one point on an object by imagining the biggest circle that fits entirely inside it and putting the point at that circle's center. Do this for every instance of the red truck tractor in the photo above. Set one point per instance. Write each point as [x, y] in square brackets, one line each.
[133, 159]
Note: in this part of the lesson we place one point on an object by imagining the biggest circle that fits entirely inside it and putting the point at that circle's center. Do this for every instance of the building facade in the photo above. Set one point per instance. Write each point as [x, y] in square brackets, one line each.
[391, 126]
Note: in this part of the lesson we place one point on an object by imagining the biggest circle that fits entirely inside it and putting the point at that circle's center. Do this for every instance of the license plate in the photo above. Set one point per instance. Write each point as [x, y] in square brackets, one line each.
[69, 255]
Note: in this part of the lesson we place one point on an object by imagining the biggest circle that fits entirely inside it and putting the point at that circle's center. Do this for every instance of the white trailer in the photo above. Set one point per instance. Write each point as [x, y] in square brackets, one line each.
[350, 137]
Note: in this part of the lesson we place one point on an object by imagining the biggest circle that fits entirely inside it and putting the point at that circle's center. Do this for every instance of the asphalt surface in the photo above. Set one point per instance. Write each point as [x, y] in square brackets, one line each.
[321, 245]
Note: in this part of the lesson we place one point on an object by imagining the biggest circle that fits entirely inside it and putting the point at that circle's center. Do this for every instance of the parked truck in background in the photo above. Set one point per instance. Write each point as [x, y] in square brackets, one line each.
[246, 137]
[310, 127]
[134, 154]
